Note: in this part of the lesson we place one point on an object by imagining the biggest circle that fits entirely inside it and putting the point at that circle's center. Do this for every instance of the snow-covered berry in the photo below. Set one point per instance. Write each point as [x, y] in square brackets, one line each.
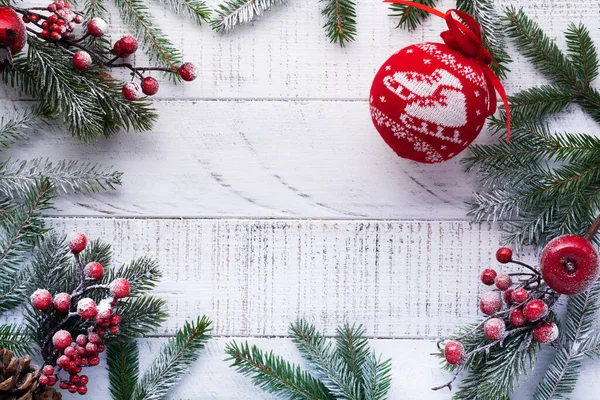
[82, 60]
[115, 319]
[94, 270]
[61, 339]
[520, 295]
[41, 299]
[97, 27]
[503, 281]
[113, 329]
[546, 332]
[77, 242]
[86, 308]
[43, 380]
[488, 276]
[508, 296]
[81, 340]
[494, 328]
[535, 310]
[517, 318]
[454, 352]
[128, 45]
[490, 303]
[104, 309]
[504, 255]
[62, 302]
[131, 91]
[150, 86]
[188, 71]
[94, 338]
[48, 370]
[120, 288]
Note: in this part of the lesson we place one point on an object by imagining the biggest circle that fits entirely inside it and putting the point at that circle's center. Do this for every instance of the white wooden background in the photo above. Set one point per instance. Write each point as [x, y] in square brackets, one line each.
[266, 194]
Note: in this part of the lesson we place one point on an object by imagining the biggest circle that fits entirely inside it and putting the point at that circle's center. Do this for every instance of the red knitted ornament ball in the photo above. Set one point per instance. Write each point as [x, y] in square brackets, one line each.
[429, 101]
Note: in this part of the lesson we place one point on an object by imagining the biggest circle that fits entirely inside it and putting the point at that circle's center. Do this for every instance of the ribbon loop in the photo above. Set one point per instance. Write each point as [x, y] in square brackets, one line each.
[465, 37]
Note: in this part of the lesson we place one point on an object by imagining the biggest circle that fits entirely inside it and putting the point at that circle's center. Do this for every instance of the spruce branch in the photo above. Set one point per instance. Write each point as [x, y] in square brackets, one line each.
[275, 375]
[483, 11]
[67, 176]
[340, 20]
[231, 13]
[142, 273]
[536, 103]
[122, 363]
[141, 316]
[174, 359]
[14, 339]
[376, 377]
[582, 52]
[16, 127]
[410, 17]
[137, 14]
[195, 9]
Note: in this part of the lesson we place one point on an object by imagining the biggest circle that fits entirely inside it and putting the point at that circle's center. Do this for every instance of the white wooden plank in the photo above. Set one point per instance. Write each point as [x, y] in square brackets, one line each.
[253, 277]
[313, 159]
[414, 372]
[286, 55]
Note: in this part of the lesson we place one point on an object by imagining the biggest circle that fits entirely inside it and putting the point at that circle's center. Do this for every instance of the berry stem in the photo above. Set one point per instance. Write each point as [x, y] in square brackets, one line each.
[594, 227]
[535, 271]
[449, 384]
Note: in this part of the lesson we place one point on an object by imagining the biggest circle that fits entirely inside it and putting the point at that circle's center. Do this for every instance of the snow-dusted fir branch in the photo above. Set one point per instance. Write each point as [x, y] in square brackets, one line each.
[195, 9]
[231, 13]
[16, 127]
[67, 176]
[15, 339]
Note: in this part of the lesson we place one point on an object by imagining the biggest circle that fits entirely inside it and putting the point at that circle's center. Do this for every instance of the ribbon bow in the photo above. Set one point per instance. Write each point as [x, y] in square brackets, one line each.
[465, 37]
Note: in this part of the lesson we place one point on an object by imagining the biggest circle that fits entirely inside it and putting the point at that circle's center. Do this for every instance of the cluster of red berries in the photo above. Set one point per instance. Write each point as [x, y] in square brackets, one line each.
[59, 24]
[149, 85]
[72, 356]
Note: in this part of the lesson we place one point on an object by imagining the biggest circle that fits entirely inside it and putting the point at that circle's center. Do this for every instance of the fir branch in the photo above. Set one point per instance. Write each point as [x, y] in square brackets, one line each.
[332, 367]
[536, 103]
[195, 9]
[137, 14]
[582, 52]
[274, 374]
[231, 13]
[174, 360]
[142, 273]
[123, 365]
[352, 348]
[141, 316]
[376, 377]
[410, 17]
[16, 127]
[591, 346]
[99, 251]
[485, 14]
[14, 339]
[340, 20]
[67, 176]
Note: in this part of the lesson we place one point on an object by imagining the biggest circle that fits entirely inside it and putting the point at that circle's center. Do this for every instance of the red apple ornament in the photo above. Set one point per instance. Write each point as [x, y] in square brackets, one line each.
[429, 101]
[13, 36]
[569, 264]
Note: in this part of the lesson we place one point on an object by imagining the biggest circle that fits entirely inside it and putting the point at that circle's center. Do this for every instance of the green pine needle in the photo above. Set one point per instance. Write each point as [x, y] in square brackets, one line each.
[16, 127]
[174, 360]
[231, 13]
[141, 316]
[123, 365]
[15, 339]
[340, 20]
[195, 9]
[582, 52]
[410, 17]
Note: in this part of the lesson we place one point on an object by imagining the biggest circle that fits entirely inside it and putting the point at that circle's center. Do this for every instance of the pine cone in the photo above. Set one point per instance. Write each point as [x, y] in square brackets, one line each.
[47, 394]
[18, 378]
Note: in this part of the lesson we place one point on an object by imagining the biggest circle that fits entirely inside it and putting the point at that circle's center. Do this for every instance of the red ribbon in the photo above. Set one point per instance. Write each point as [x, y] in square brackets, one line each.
[465, 37]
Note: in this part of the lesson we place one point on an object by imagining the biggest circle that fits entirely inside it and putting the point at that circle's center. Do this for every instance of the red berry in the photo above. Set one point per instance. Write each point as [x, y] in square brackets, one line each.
[94, 338]
[490, 303]
[62, 302]
[41, 299]
[74, 378]
[100, 348]
[149, 86]
[113, 329]
[94, 361]
[45, 34]
[34, 17]
[91, 348]
[43, 380]
[52, 380]
[508, 297]
[77, 242]
[64, 385]
[101, 331]
[45, 25]
[117, 49]
[504, 255]
[52, 19]
[82, 60]
[94, 271]
[131, 91]
[62, 361]
[78, 369]
[61, 339]
[81, 351]
[72, 366]
[97, 27]
[128, 45]
[120, 287]
[70, 351]
[115, 319]
[546, 332]
[188, 72]
[83, 379]
[73, 389]
[86, 308]
[84, 361]
[81, 340]
[26, 19]
[51, 7]
[520, 295]
[535, 310]
[48, 370]
[488, 276]
[60, 22]
[82, 389]
[494, 328]
[569, 264]
[77, 19]
[503, 282]
[454, 352]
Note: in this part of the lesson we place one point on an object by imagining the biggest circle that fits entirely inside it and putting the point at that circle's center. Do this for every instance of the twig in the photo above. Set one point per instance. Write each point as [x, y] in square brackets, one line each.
[594, 227]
